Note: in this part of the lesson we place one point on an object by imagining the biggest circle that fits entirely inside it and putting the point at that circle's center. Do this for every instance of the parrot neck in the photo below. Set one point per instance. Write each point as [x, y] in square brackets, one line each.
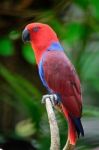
[39, 49]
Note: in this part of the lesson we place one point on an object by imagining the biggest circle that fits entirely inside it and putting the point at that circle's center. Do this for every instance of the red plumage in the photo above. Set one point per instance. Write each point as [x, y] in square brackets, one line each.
[61, 77]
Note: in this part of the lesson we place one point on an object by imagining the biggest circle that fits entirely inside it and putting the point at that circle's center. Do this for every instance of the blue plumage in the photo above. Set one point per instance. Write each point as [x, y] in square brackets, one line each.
[55, 46]
[41, 73]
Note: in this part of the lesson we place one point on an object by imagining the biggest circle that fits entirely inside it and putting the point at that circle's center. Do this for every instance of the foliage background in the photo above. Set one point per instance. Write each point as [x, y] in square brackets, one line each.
[22, 117]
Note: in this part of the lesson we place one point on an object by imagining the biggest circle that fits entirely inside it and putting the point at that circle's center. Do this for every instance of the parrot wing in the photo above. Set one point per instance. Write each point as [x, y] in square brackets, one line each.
[59, 76]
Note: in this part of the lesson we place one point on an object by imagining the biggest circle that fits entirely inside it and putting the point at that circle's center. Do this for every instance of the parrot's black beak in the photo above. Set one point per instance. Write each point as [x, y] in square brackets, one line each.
[25, 35]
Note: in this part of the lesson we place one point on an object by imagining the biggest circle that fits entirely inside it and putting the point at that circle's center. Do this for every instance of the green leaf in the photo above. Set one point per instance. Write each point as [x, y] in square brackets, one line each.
[95, 8]
[91, 111]
[25, 128]
[28, 53]
[74, 31]
[6, 47]
[90, 63]
[83, 3]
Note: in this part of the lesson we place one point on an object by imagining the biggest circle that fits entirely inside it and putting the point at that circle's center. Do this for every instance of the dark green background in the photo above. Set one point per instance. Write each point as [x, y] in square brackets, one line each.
[22, 116]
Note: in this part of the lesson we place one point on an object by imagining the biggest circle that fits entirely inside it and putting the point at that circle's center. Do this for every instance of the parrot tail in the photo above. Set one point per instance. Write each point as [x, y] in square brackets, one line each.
[74, 127]
[78, 126]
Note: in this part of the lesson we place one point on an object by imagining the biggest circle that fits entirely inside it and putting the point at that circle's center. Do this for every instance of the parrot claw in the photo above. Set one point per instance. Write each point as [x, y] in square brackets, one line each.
[54, 98]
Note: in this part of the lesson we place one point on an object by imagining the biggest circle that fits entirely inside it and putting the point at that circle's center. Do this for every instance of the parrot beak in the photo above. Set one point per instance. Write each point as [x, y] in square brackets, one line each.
[25, 35]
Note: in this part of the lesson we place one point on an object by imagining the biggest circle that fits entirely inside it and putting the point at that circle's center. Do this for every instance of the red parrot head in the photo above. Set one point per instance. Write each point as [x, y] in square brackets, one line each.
[40, 36]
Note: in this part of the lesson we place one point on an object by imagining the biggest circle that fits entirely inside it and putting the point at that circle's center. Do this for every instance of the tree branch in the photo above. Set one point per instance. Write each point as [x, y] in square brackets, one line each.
[55, 138]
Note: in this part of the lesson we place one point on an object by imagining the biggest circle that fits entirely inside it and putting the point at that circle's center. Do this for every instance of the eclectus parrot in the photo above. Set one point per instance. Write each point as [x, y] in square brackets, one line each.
[57, 74]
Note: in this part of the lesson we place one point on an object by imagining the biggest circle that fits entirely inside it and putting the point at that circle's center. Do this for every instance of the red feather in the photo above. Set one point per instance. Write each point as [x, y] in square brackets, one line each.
[61, 77]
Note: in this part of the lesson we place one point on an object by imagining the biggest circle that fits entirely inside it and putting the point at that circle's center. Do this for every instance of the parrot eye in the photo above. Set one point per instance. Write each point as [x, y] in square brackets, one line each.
[36, 29]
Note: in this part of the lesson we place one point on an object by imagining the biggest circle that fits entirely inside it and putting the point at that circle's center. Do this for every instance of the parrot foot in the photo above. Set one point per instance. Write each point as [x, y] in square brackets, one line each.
[54, 98]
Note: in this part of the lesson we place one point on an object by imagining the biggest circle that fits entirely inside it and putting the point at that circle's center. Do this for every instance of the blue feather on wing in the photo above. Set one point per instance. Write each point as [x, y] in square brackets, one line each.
[41, 74]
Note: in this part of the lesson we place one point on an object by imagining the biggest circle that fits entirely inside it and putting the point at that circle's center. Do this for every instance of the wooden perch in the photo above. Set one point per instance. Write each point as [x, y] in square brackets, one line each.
[54, 130]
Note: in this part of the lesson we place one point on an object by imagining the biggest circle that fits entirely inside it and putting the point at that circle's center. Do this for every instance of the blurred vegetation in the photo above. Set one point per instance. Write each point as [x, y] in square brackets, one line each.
[77, 24]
